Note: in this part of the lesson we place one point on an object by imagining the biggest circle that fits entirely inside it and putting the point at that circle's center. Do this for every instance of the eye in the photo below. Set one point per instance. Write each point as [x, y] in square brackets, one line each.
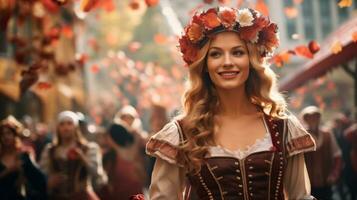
[214, 54]
[238, 52]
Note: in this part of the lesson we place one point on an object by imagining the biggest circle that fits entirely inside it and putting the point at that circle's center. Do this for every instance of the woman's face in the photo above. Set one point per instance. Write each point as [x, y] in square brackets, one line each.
[7, 137]
[228, 61]
[66, 129]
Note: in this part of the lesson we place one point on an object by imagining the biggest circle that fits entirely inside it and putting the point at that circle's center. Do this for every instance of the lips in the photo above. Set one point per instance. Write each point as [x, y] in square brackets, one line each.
[228, 74]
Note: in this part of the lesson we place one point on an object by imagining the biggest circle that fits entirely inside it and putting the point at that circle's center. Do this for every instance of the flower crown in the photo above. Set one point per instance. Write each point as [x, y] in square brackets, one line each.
[248, 23]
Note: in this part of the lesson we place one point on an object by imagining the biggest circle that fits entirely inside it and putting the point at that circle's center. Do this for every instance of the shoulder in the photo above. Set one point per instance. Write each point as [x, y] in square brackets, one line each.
[165, 143]
[298, 140]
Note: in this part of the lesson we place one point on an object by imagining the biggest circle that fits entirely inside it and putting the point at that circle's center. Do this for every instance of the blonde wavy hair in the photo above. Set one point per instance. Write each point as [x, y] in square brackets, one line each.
[200, 103]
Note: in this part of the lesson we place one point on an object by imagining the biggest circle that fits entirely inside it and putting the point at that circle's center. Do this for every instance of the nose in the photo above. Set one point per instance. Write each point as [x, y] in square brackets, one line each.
[227, 59]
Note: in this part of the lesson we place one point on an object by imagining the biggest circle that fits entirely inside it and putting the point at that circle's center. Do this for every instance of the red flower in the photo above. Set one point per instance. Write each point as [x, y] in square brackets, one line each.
[188, 50]
[228, 17]
[137, 197]
[268, 37]
[210, 20]
[250, 32]
[72, 154]
[195, 32]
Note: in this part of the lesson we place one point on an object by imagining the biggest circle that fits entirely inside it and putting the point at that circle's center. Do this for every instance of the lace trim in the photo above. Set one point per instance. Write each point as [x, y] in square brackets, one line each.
[260, 144]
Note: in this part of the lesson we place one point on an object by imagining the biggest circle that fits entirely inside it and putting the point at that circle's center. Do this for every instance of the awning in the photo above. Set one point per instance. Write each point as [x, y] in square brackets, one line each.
[325, 60]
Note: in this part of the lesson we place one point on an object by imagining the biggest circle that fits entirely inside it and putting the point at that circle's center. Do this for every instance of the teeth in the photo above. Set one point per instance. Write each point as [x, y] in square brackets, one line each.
[229, 73]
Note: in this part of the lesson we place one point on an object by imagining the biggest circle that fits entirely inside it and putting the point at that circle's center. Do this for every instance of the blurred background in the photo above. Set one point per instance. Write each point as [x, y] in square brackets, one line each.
[95, 57]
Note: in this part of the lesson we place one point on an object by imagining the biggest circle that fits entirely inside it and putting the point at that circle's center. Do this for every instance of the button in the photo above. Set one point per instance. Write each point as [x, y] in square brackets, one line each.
[240, 194]
[236, 163]
[251, 167]
[240, 185]
[238, 177]
[250, 176]
[238, 170]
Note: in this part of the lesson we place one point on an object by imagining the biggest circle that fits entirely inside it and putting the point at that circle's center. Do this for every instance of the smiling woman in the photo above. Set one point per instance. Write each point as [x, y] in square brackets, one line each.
[235, 138]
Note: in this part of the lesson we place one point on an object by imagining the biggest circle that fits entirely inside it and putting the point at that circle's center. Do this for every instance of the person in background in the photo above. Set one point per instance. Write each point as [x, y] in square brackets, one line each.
[324, 164]
[351, 136]
[20, 178]
[340, 123]
[71, 162]
[123, 164]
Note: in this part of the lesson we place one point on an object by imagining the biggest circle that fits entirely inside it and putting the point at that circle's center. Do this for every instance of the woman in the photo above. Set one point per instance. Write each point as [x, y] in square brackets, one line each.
[71, 162]
[123, 165]
[20, 178]
[235, 139]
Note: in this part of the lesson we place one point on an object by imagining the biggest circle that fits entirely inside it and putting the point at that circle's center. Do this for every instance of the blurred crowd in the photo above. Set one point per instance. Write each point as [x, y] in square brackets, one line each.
[79, 160]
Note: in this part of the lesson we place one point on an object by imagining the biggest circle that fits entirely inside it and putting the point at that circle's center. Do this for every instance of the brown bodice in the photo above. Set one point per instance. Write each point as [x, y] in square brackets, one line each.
[257, 176]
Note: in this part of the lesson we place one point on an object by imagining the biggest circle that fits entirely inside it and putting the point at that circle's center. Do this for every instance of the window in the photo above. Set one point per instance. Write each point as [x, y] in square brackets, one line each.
[308, 18]
[290, 23]
[325, 17]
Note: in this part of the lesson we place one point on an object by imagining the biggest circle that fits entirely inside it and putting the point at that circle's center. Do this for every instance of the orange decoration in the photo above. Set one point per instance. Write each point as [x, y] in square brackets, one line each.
[291, 12]
[151, 3]
[224, 1]
[303, 51]
[314, 47]
[345, 3]
[67, 31]
[354, 36]
[94, 68]
[134, 4]
[160, 39]
[262, 7]
[108, 5]
[336, 47]
[87, 5]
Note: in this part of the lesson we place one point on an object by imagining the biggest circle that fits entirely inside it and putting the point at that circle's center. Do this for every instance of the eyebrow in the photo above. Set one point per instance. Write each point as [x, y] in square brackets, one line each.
[235, 47]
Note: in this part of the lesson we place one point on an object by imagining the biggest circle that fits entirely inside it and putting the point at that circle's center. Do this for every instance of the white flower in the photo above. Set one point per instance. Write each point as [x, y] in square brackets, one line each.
[245, 17]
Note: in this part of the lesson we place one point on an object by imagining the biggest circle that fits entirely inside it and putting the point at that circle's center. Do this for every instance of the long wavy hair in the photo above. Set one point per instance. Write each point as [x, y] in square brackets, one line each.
[201, 103]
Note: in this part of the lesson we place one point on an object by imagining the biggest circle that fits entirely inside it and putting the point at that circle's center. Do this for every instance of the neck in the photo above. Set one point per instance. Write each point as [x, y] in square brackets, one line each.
[235, 103]
[68, 141]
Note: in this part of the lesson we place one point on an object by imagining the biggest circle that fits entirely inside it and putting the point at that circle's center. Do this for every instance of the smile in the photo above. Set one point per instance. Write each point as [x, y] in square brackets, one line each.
[228, 74]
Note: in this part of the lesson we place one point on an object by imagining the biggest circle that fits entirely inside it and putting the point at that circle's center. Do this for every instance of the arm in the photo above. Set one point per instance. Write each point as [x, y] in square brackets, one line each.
[296, 181]
[93, 162]
[167, 181]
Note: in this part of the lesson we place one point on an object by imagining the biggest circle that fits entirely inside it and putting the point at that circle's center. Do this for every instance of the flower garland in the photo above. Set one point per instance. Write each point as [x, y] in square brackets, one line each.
[248, 23]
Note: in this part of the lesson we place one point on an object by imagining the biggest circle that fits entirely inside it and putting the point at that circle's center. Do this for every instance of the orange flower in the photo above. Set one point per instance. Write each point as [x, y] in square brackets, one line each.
[228, 17]
[210, 20]
[195, 32]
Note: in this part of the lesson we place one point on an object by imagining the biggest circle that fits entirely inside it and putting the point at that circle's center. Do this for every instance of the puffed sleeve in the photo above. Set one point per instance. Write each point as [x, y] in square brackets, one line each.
[164, 144]
[297, 183]
[298, 139]
[167, 181]
[168, 178]
[95, 166]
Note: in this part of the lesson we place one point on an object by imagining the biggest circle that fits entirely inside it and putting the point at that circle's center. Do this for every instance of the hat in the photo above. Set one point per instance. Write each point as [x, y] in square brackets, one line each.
[68, 115]
[310, 110]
